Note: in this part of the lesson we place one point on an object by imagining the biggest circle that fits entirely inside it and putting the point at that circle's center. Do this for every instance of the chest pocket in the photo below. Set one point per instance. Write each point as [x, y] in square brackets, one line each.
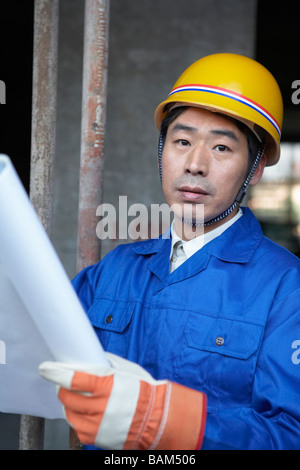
[231, 338]
[111, 320]
[224, 354]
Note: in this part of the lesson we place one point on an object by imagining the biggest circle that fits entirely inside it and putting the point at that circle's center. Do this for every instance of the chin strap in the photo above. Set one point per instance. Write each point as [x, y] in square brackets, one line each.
[240, 195]
[160, 149]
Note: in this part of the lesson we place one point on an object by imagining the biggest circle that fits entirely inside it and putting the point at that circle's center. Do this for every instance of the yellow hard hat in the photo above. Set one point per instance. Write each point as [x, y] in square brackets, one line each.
[234, 85]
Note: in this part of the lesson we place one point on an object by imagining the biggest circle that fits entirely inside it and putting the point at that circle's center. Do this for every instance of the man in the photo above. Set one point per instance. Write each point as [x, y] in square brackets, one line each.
[213, 317]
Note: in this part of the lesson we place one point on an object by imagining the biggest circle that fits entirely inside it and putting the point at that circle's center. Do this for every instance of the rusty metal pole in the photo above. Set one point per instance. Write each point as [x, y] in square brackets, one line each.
[42, 152]
[92, 128]
[94, 90]
[44, 94]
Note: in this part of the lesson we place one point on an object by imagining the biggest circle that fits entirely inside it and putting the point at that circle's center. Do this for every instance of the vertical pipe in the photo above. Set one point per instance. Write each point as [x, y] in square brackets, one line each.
[94, 88]
[92, 128]
[42, 152]
[44, 108]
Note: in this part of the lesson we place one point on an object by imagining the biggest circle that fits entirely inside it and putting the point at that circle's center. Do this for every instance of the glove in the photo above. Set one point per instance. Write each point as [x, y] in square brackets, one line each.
[123, 407]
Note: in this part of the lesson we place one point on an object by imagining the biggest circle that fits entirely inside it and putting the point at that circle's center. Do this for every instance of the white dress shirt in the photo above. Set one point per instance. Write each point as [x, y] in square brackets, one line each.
[181, 250]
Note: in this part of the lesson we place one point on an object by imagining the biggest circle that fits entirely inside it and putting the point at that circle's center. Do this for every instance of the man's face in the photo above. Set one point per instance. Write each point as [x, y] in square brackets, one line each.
[204, 161]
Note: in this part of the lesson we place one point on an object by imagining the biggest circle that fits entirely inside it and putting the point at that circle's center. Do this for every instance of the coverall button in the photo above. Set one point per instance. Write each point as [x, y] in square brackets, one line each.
[219, 341]
[108, 319]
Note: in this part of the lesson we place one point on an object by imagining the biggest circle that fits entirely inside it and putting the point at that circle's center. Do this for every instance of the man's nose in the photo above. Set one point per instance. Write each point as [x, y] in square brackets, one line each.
[197, 161]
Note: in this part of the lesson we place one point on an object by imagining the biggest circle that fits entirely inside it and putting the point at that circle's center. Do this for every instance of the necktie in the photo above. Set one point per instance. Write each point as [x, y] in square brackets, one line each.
[178, 256]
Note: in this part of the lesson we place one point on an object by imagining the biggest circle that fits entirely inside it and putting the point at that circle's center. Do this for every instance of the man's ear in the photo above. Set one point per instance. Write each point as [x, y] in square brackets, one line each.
[259, 171]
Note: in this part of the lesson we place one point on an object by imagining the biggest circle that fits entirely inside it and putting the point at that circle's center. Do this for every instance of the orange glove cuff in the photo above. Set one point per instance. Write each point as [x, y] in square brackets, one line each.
[181, 412]
[185, 425]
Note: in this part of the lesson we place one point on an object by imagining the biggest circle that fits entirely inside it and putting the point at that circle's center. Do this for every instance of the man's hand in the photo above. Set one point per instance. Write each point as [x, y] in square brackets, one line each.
[123, 407]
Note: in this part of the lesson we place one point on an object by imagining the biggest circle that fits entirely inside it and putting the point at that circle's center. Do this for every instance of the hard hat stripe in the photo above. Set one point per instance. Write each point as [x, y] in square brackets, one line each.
[233, 95]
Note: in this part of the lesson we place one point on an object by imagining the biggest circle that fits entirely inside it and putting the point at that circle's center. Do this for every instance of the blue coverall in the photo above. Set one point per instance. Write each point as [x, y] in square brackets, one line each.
[226, 322]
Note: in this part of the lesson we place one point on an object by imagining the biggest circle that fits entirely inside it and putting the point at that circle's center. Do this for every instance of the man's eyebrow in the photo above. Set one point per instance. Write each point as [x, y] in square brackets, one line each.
[225, 132]
[184, 127]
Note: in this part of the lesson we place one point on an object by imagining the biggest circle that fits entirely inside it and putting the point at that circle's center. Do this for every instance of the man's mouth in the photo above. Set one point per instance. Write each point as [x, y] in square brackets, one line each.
[192, 193]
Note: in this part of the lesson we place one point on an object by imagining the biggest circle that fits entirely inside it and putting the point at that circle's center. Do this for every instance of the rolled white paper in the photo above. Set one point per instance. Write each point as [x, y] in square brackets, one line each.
[39, 278]
[22, 348]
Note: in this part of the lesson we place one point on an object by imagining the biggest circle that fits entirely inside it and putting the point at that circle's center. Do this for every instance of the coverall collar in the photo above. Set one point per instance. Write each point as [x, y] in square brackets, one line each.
[236, 245]
[240, 241]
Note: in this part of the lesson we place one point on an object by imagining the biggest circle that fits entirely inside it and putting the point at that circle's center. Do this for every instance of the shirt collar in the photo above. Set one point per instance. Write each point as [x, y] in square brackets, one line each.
[190, 247]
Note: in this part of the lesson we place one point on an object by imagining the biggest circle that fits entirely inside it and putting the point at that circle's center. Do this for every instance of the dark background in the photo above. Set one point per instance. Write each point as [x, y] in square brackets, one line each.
[277, 48]
[16, 51]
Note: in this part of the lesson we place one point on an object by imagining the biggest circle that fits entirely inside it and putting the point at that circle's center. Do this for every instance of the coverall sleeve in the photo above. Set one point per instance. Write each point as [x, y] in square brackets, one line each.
[84, 285]
[86, 281]
[272, 422]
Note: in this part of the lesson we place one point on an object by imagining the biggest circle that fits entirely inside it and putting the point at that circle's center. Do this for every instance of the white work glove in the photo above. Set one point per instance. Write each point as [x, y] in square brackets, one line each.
[123, 407]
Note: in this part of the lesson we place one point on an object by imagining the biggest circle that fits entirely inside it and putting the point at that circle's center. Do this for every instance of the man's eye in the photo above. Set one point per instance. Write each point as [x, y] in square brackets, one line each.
[183, 142]
[222, 148]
